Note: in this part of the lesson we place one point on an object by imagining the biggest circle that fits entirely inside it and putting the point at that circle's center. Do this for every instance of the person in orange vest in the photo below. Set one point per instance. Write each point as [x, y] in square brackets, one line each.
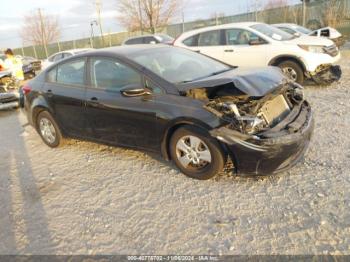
[13, 64]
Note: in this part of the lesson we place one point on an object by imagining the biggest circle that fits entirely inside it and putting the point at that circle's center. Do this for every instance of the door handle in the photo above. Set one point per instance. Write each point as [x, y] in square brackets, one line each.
[229, 50]
[94, 101]
[197, 51]
[49, 93]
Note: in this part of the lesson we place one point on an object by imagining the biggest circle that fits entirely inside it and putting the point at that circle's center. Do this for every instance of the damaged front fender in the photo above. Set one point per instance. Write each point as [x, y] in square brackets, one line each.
[272, 152]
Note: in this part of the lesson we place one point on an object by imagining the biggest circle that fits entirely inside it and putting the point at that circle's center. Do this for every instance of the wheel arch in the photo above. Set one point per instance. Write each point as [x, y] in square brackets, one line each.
[39, 105]
[185, 122]
[282, 58]
[172, 127]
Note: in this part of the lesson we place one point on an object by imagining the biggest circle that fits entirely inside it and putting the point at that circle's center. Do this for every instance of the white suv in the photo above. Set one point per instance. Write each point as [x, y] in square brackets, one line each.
[256, 44]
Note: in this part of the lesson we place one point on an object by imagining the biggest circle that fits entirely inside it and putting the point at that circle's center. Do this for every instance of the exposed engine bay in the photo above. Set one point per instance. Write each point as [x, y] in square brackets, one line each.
[250, 114]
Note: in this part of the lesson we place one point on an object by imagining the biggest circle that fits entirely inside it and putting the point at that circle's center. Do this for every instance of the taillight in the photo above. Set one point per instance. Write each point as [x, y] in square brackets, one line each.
[26, 89]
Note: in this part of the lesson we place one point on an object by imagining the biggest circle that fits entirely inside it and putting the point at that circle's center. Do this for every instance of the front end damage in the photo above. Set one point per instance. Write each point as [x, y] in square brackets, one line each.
[325, 74]
[264, 132]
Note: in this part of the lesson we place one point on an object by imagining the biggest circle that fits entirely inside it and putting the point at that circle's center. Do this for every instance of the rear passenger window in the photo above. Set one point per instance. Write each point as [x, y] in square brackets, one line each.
[191, 41]
[149, 39]
[51, 75]
[111, 75]
[134, 41]
[211, 38]
[72, 72]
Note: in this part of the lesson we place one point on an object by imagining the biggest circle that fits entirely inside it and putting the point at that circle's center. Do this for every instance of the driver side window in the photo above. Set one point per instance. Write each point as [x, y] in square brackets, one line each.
[240, 37]
[111, 75]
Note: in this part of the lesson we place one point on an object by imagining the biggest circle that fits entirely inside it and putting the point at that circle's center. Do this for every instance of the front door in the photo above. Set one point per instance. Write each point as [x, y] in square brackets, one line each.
[244, 48]
[115, 118]
[210, 44]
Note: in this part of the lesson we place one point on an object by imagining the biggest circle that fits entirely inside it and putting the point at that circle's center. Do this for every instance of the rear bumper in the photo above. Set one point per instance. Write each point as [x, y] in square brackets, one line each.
[275, 153]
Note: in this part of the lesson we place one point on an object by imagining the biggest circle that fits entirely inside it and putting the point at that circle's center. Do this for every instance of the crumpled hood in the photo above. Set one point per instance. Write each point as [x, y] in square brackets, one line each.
[310, 40]
[251, 81]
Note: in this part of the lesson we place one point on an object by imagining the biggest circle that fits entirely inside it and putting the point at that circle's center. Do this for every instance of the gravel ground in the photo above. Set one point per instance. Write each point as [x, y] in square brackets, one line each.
[86, 198]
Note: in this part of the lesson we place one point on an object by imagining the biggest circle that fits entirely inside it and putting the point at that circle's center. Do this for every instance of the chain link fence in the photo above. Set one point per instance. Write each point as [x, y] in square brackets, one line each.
[292, 14]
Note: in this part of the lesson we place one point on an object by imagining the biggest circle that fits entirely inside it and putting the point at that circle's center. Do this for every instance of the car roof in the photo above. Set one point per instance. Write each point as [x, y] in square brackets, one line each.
[72, 51]
[286, 24]
[124, 50]
[217, 27]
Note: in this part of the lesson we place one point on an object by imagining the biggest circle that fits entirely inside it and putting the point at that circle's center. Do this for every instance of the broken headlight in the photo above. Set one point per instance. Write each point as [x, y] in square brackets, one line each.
[248, 124]
[313, 48]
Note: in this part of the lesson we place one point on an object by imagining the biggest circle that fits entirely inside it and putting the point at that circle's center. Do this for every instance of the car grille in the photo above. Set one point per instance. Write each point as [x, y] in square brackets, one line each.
[331, 50]
[275, 110]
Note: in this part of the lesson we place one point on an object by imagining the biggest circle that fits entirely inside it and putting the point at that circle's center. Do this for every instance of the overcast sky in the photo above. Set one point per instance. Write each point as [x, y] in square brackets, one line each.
[75, 15]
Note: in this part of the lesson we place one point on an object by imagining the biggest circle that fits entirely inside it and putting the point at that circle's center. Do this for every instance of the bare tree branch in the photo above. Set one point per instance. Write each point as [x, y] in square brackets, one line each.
[152, 14]
[334, 12]
[31, 31]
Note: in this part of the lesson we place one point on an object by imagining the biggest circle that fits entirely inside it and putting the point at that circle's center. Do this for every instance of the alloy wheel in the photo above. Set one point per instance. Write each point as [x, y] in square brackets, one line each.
[290, 73]
[47, 130]
[191, 151]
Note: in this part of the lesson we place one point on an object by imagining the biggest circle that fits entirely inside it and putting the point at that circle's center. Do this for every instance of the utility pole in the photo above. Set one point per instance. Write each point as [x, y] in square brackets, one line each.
[183, 22]
[43, 35]
[304, 12]
[140, 15]
[98, 11]
[256, 10]
[92, 33]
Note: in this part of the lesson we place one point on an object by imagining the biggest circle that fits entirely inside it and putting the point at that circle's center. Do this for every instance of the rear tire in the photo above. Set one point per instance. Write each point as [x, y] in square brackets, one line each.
[48, 130]
[196, 153]
[292, 70]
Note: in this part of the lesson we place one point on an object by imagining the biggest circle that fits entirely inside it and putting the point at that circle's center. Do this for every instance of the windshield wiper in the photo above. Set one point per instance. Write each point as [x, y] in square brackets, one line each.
[212, 74]
[220, 72]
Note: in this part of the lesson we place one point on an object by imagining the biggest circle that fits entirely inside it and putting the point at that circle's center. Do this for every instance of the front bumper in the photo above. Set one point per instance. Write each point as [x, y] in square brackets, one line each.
[326, 74]
[8, 101]
[273, 152]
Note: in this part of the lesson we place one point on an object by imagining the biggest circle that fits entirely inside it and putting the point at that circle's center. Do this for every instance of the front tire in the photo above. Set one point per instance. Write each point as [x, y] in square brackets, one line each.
[292, 70]
[196, 153]
[49, 130]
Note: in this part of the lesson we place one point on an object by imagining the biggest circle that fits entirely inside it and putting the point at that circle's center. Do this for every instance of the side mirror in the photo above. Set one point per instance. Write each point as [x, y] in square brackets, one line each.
[132, 91]
[257, 42]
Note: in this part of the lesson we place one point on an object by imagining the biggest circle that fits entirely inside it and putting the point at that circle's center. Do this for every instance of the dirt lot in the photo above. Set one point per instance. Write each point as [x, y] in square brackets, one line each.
[86, 198]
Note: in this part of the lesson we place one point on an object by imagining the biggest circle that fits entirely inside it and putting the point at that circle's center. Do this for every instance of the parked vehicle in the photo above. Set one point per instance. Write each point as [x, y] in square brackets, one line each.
[327, 32]
[256, 44]
[191, 108]
[149, 39]
[8, 99]
[62, 55]
[30, 65]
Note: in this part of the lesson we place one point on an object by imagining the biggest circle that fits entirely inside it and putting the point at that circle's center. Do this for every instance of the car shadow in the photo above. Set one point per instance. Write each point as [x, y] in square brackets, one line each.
[23, 221]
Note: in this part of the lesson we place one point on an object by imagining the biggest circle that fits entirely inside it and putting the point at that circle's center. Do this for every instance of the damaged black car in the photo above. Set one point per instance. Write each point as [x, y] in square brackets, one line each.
[194, 110]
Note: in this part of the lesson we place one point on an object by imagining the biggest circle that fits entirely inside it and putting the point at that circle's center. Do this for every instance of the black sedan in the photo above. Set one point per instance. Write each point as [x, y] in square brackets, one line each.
[194, 110]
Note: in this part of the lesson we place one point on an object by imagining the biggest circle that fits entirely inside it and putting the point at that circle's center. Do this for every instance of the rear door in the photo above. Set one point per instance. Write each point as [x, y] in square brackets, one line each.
[65, 91]
[115, 118]
[210, 43]
[244, 48]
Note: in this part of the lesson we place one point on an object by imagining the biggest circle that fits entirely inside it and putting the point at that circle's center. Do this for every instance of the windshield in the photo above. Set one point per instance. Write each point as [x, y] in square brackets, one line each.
[302, 29]
[272, 32]
[178, 65]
